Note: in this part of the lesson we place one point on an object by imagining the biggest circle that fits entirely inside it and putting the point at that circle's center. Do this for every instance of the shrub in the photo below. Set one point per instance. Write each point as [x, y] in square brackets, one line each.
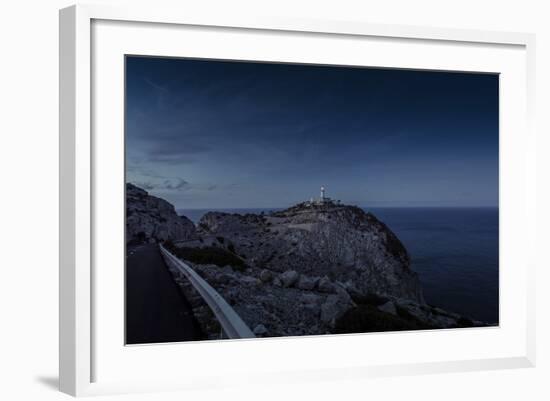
[404, 313]
[367, 318]
[464, 322]
[210, 255]
[370, 299]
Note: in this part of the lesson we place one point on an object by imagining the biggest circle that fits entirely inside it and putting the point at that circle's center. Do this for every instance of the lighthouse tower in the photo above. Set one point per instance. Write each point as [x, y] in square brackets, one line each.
[322, 198]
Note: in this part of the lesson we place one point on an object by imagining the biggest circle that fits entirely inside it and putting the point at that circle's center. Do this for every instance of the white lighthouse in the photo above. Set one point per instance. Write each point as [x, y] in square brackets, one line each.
[323, 200]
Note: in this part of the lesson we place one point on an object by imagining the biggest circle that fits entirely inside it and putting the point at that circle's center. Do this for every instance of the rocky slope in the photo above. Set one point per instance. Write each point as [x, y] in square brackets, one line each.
[344, 243]
[310, 269]
[305, 270]
[293, 304]
[151, 219]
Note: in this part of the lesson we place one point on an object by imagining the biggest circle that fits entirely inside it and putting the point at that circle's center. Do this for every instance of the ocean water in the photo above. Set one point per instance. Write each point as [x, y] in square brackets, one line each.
[454, 251]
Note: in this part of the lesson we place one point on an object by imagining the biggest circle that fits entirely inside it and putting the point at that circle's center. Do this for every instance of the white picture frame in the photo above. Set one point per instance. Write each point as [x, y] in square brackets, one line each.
[82, 346]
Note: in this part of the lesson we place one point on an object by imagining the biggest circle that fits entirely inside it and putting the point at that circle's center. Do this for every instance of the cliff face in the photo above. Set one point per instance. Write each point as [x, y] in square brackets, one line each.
[350, 247]
[152, 219]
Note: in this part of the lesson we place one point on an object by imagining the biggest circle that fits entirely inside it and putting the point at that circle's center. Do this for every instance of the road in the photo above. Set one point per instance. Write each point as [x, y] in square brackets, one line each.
[156, 310]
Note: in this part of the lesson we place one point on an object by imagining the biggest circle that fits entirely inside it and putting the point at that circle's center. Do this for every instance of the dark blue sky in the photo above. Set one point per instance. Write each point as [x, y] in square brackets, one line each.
[213, 134]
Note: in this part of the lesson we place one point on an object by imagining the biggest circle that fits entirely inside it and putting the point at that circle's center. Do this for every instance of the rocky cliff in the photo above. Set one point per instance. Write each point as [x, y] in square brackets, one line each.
[344, 243]
[309, 269]
[151, 219]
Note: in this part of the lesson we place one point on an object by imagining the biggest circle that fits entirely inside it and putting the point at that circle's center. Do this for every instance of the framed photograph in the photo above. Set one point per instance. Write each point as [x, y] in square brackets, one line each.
[340, 199]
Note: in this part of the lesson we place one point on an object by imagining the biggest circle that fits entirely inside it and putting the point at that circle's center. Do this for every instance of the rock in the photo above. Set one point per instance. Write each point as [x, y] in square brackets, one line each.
[333, 308]
[434, 317]
[307, 283]
[329, 310]
[265, 276]
[260, 330]
[249, 280]
[343, 295]
[150, 219]
[289, 277]
[277, 282]
[325, 285]
[310, 299]
[388, 307]
[225, 279]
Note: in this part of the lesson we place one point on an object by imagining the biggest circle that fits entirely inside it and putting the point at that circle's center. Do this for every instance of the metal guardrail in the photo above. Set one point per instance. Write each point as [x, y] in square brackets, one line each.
[231, 322]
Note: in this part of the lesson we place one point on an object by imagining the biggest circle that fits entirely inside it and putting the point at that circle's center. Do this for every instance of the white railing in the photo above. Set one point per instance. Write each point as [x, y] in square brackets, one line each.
[231, 322]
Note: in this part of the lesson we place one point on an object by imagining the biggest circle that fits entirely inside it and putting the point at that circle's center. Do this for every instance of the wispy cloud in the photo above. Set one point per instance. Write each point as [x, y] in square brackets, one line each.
[156, 86]
[168, 184]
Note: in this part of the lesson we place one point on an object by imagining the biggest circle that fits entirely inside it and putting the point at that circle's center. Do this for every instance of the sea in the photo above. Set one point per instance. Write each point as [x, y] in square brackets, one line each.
[455, 251]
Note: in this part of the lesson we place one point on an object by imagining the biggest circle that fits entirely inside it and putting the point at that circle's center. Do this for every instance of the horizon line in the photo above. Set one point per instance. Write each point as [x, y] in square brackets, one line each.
[361, 206]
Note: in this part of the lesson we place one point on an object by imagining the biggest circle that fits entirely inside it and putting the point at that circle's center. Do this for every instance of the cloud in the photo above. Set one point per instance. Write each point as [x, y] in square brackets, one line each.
[156, 86]
[169, 184]
[170, 159]
[151, 181]
[170, 149]
[175, 184]
[145, 185]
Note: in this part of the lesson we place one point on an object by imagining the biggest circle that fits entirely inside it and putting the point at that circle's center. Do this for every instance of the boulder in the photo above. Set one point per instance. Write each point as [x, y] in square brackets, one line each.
[225, 279]
[310, 298]
[265, 276]
[334, 307]
[325, 285]
[249, 280]
[343, 295]
[260, 330]
[307, 283]
[289, 278]
[388, 307]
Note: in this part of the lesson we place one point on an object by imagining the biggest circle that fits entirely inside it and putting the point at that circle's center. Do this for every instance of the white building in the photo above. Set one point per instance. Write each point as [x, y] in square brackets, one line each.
[323, 199]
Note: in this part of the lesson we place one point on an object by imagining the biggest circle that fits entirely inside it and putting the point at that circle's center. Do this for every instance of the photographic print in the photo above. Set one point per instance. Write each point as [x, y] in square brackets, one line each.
[278, 199]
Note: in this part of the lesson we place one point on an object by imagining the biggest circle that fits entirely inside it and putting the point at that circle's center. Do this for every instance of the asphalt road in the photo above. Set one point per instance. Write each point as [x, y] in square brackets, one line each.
[156, 310]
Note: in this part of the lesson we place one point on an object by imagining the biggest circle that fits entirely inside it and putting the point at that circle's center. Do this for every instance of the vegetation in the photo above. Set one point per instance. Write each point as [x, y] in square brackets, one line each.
[465, 322]
[366, 317]
[370, 299]
[208, 255]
